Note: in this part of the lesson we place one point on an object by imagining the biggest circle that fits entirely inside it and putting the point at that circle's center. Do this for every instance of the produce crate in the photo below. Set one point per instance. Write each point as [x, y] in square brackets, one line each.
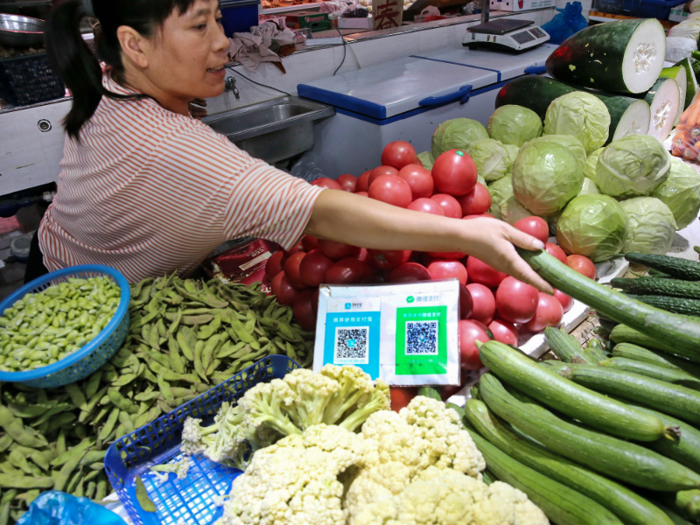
[29, 79]
[190, 500]
[659, 9]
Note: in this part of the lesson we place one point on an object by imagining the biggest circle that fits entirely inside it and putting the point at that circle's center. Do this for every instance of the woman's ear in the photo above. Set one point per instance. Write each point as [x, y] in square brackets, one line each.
[134, 46]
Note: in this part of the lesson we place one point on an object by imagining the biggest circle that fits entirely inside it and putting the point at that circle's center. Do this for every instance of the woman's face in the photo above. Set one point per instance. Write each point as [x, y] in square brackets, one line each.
[186, 57]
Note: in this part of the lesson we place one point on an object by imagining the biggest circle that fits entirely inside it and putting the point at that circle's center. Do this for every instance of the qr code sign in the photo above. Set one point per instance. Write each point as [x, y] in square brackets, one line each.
[352, 345]
[422, 338]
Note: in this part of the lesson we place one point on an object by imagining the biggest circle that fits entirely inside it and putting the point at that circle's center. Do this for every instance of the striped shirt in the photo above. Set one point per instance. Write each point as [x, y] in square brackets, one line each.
[149, 192]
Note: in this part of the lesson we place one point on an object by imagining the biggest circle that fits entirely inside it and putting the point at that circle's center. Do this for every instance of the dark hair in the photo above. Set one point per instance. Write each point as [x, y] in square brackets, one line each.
[75, 62]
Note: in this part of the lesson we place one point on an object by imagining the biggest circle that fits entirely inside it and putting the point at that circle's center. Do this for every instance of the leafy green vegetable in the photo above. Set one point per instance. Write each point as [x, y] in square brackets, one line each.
[514, 125]
[512, 210]
[545, 177]
[681, 193]
[633, 166]
[591, 163]
[589, 188]
[581, 115]
[426, 159]
[457, 133]
[500, 190]
[512, 153]
[491, 158]
[594, 226]
[571, 143]
[650, 226]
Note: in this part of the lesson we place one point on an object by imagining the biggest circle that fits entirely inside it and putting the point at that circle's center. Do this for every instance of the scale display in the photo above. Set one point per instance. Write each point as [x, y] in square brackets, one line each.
[506, 35]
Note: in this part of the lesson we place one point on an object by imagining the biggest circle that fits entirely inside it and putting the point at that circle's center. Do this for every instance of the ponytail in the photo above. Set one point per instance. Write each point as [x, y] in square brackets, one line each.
[75, 62]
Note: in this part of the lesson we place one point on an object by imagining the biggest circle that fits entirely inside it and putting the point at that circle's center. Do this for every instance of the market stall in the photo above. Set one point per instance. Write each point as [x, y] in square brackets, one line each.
[335, 384]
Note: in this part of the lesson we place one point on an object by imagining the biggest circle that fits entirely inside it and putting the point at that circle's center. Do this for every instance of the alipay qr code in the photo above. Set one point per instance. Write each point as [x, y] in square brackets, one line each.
[352, 345]
[422, 338]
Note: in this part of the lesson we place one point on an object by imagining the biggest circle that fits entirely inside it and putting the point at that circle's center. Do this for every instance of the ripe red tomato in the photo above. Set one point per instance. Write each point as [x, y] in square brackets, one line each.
[398, 154]
[471, 331]
[419, 179]
[535, 226]
[504, 332]
[363, 181]
[449, 204]
[466, 305]
[476, 201]
[274, 265]
[313, 268]
[362, 194]
[309, 243]
[582, 265]
[566, 301]
[426, 206]
[448, 269]
[480, 216]
[549, 313]
[282, 290]
[347, 182]
[325, 182]
[555, 251]
[349, 271]
[298, 247]
[292, 271]
[337, 250]
[401, 396]
[482, 273]
[391, 189]
[409, 272]
[516, 302]
[378, 172]
[388, 259]
[363, 255]
[484, 303]
[305, 308]
[455, 173]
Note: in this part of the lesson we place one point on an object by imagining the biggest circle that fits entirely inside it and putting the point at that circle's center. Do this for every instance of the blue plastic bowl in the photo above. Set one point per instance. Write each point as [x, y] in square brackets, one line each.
[94, 354]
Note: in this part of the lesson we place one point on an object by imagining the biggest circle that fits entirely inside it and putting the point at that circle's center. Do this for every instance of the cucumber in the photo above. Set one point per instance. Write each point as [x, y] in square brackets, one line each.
[655, 286]
[488, 477]
[685, 503]
[685, 450]
[631, 508]
[659, 274]
[632, 351]
[672, 329]
[561, 504]
[675, 400]
[628, 116]
[673, 266]
[564, 346]
[431, 392]
[692, 83]
[676, 305]
[622, 57]
[605, 454]
[625, 334]
[662, 373]
[594, 351]
[664, 100]
[679, 74]
[550, 388]
[677, 520]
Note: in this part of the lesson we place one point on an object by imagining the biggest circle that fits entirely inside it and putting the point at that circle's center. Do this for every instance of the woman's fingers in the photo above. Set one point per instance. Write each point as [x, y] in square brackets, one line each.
[524, 272]
[523, 240]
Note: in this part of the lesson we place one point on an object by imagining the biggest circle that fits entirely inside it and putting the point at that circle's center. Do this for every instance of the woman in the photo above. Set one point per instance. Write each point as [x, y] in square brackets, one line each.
[148, 189]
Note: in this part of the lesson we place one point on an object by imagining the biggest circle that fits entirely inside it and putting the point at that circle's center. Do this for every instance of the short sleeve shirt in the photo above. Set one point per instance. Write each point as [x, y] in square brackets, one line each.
[149, 192]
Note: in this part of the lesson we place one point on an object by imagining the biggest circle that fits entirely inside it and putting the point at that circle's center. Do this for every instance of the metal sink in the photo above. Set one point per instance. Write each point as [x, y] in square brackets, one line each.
[274, 130]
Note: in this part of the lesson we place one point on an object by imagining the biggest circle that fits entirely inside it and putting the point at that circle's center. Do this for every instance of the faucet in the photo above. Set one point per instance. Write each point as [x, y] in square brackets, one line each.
[231, 86]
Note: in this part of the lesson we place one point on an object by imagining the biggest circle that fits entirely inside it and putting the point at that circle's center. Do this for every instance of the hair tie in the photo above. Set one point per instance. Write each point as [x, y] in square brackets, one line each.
[89, 10]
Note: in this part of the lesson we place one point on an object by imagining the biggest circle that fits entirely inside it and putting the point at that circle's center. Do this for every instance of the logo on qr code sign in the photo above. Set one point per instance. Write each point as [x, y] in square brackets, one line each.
[351, 345]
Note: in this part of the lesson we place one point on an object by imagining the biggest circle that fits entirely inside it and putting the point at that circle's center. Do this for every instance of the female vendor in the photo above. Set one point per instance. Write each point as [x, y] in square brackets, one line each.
[148, 189]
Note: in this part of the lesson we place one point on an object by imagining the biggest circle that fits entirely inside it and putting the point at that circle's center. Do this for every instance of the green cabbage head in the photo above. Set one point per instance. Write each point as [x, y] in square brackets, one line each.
[426, 159]
[514, 125]
[681, 193]
[491, 158]
[546, 176]
[589, 188]
[633, 166]
[571, 143]
[500, 190]
[512, 153]
[650, 226]
[581, 115]
[512, 210]
[594, 226]
[457, 133]
[591, 163]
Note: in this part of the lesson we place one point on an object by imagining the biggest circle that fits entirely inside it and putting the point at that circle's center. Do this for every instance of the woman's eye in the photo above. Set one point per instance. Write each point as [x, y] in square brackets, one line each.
[200, 27]
[219, 20]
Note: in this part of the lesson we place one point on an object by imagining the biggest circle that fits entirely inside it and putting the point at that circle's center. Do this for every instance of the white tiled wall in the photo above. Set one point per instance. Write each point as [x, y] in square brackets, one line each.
[320, 63]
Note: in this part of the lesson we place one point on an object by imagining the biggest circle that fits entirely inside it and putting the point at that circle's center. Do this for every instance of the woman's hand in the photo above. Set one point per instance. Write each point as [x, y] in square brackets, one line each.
[198, 108]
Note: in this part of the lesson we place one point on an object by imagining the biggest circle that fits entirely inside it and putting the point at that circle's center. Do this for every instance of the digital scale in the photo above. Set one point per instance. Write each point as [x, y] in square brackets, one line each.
[504, 34]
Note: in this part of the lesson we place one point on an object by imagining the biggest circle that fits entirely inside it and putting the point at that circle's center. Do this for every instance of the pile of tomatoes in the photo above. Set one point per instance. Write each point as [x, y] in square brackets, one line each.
[492, 304]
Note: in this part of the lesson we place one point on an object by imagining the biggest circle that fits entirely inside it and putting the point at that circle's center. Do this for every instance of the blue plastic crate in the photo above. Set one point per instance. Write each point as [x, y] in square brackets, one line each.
[239, 16]
[158, 443]
[659, 9]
